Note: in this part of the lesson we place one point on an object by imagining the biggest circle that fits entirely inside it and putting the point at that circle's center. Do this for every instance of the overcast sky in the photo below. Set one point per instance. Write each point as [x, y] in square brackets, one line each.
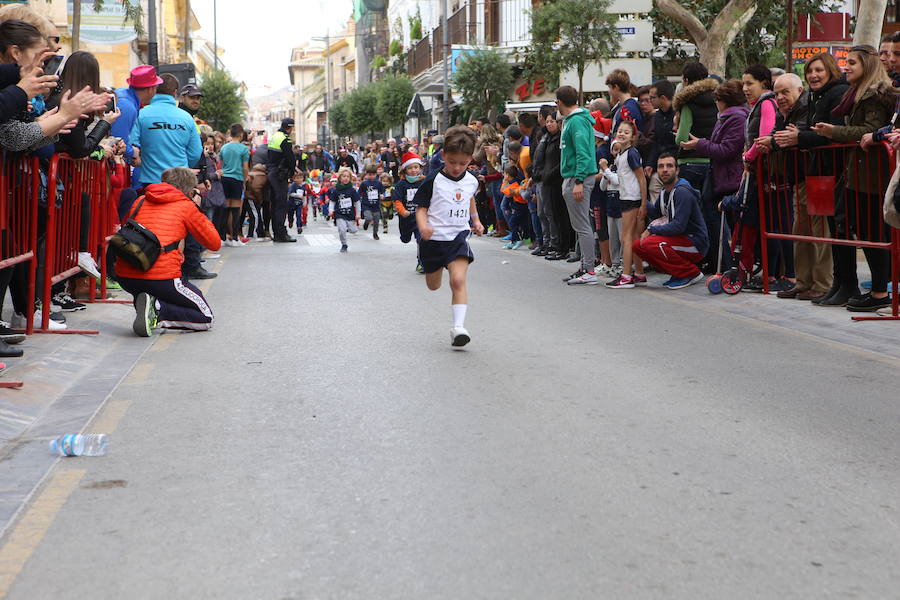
[258, 35]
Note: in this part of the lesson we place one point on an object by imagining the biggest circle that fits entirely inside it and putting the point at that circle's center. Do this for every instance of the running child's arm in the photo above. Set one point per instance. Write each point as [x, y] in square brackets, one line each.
[425, 230]
[398, 203]
[473, 216]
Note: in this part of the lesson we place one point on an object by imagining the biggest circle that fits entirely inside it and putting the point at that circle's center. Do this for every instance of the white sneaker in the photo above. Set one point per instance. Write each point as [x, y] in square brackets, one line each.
[19, 322]
[605, 271]
[585, 279]
[459, 337]
[87, 264]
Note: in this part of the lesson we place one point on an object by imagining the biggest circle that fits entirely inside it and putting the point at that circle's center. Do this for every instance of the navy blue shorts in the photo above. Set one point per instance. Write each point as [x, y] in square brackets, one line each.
[233, 188]
[408, 228]
[435, 255]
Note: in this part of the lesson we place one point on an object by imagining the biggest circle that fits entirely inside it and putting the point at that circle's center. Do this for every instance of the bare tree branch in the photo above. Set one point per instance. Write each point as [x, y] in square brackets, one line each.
[685, 18]
[739, 25]
[730, 14]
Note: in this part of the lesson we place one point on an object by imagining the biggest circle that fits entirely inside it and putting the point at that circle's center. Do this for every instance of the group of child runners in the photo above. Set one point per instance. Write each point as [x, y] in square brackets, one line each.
[437, 210]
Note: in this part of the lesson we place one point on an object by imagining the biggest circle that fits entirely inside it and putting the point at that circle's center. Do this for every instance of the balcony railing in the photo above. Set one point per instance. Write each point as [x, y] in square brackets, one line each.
[505, 23]
[418, 59]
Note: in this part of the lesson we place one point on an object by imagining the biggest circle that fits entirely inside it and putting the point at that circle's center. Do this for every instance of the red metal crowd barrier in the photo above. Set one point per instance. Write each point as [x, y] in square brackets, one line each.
[845, 185]
[69, 190]
[104, 224]
[19, 194]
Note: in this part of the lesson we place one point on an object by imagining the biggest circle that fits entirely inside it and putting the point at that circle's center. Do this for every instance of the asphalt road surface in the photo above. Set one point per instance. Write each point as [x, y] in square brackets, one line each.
[324, 441]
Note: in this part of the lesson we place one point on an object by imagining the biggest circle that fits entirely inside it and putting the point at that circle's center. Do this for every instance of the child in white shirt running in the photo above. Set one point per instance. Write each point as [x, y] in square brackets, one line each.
[446, 215]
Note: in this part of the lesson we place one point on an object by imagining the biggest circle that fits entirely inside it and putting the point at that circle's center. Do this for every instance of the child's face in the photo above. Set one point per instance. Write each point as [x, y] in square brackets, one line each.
[379, 171]
[413, 170]
[344, 177]
[625, 135]
[455, 163]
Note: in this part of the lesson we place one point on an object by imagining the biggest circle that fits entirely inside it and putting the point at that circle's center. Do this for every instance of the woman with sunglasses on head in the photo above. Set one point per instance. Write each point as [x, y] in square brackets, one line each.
[867, 106]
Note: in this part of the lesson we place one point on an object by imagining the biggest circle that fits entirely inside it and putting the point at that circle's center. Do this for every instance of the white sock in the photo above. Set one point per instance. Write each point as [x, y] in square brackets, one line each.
[459, 314]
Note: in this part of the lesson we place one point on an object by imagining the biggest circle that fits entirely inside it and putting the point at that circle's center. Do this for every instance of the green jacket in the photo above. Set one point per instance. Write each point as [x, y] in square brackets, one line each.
[578, 158]
[866, 171]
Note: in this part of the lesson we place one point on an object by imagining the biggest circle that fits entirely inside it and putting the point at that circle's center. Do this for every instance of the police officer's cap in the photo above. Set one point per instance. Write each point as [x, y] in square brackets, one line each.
[288, 122]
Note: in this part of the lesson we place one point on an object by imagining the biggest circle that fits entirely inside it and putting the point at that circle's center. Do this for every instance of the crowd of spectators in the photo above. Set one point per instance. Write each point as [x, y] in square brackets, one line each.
[669, 176]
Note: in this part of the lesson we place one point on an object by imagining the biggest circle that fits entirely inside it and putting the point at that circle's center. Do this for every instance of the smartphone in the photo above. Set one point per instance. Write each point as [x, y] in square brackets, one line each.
[54, 65]
[111, 105]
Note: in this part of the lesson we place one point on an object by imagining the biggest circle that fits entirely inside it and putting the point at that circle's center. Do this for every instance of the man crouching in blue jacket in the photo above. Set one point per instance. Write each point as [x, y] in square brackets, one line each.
[676, 240]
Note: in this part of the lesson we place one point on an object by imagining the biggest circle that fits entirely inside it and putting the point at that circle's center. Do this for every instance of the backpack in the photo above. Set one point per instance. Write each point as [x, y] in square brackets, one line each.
[137, 245]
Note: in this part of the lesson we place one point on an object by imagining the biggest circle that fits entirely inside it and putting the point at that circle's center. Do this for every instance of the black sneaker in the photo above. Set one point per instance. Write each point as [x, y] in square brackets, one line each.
[344, 248]
[65, 302]
[375, 234]
[200, 273]
[9, 336]
[574, 258]
[366, 226]
[867, 303]
[574, 275]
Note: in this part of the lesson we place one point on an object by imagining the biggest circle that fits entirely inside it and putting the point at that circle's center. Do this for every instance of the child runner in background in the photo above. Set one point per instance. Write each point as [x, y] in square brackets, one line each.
[410, 179]
[446, 215]
[344, 205]
[629, 175]
[518, 206]
[313, 188]
[235, 171]
[387, 205]
[297, 198]
[371, 193]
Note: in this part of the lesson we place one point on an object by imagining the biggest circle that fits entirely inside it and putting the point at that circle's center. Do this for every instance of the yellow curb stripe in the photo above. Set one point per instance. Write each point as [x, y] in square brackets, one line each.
[33, 526]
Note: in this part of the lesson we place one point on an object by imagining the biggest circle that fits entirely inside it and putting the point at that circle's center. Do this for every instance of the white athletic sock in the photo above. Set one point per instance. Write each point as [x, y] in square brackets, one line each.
[459, 314]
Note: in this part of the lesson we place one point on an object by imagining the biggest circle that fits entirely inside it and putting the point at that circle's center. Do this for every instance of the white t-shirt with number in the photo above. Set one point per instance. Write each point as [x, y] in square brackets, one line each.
[448, 202]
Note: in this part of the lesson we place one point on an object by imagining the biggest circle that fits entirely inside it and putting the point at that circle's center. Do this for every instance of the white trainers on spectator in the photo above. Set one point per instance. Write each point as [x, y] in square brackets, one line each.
[588, 278]
[19, 321]
[87, 264]
[459, 337]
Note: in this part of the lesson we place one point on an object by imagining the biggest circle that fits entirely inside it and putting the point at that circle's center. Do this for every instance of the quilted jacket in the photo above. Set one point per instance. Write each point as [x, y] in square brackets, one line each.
[171, 216]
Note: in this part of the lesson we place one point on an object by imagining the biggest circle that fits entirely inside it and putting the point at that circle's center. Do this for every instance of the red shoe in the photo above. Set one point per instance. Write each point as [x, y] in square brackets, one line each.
[639, 279]
[244, 239]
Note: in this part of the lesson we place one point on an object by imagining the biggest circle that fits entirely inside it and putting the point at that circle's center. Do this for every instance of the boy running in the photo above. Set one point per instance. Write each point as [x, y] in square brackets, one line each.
[410, 179]
[371, 193]
[446, 216]
[343, 205]
[387, 205]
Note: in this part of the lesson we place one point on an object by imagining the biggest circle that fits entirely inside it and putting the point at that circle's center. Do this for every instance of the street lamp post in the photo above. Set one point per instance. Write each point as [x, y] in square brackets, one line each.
[445, 35]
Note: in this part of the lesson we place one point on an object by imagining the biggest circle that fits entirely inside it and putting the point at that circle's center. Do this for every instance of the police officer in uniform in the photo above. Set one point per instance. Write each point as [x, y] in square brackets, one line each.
[281, 166]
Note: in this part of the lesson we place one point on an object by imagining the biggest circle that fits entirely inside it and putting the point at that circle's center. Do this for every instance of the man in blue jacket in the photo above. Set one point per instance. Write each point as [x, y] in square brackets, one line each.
[141, 88]
[676, 240]
[165, 135]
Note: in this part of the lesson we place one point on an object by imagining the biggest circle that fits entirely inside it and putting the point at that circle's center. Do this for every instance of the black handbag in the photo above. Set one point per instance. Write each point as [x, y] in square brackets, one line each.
[137, 245]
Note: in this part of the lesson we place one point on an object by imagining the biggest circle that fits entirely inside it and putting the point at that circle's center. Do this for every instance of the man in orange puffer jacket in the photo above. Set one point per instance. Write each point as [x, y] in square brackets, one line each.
[161, 297]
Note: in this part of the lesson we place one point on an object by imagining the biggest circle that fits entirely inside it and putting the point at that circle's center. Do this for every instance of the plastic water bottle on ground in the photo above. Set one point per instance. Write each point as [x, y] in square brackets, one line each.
[77, 444]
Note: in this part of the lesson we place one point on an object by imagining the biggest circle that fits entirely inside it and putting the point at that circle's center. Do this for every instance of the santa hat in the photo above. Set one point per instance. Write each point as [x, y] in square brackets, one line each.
[602, 126]
[410, 158]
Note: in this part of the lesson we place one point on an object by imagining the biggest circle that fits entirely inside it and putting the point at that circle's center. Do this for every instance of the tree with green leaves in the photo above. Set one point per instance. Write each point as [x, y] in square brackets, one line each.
[730, 34]
[392, 98]
[483, 79]
[571, 34]
[338, 119]
[361, 110]
[223, 101]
